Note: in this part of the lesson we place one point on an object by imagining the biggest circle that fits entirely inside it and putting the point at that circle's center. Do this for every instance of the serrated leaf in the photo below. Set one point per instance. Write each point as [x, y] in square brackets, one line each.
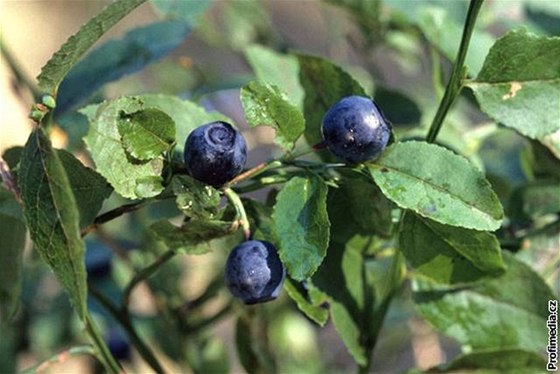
[519, 84]
[324, 84]
[315, 312]
[52, 216]
[265, 104]
[438, 184]
[147, 133]
[90, 189]
[505, 312]
[507, 361]
[302, 225]
[449, 254]
[196, 199]
[190, 234]
[62, 61]
[277, 69]
[130, 178]
[12, 243]
[187, 115]
[117, 58]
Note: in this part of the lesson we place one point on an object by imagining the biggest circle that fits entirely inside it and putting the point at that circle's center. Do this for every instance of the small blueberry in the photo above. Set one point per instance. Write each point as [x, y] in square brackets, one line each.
[355, 129]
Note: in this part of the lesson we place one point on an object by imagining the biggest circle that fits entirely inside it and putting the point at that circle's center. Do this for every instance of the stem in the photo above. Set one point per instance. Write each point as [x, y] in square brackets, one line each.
[124, 320]
[111, 215]
[146, 273]
[21, 78]
[193, 329]
[254, 171]
[60, 358]
[240, 210]
[103, 353]
[456, 80]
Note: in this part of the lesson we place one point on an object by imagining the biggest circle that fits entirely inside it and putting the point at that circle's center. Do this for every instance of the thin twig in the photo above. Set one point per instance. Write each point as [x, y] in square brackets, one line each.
[60, 358]
[124, 320]
[145, 273]
[112, 214]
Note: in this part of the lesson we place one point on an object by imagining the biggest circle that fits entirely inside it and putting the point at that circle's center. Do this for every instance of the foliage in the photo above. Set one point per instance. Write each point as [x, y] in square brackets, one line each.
[455, 217]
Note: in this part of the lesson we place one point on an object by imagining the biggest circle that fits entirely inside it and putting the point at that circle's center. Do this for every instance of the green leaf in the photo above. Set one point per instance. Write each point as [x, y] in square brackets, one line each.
[302, 225]
[251, 344]
[62, 61]
[187, 115]
[437, 184]
[52, 216]
[117, 58]
[130, 178]
[12, 243]
[190, 237]
[147, 133]
[449, 254]
[278, 70]
[358, 206]
[397, 107]
[324, 84]
[535, 199]
[190, 11]
[265, 104]
[351, 295]
[495, 361]
[505, 312]
[445, 34]
[90, 189]
[196, 199]
[518, 79]
[313, 311]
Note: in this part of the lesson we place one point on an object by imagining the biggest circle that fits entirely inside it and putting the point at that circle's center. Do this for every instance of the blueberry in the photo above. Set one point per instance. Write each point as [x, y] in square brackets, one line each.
[254, 272]
[98, 260]
[215, 153]
[355, 130]
[118, 344]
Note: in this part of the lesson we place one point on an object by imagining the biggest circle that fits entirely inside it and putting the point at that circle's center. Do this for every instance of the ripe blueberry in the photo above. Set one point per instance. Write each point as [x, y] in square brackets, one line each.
[254, 272]
[355, 130]
[118, 344]
[215, 153]
[98, 260]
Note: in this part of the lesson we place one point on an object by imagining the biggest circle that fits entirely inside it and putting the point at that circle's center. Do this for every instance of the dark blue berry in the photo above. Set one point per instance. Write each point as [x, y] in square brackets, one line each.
[355, 130]
[118, 344]
[254, 272]
[215, 153]
[98, 260]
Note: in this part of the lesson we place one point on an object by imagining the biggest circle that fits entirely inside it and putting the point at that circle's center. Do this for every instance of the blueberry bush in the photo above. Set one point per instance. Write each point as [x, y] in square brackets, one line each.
[413, 184]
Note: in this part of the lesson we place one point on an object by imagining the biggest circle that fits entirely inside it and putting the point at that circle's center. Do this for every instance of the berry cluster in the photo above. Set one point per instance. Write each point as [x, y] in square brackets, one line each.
[354, 129]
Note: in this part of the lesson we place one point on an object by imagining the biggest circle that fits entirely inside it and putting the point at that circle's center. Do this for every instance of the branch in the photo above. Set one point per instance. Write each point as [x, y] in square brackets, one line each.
[146, 273]
[456, 80]
[60, 358]
[124, 320]
[240, 211]
[111, 215]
